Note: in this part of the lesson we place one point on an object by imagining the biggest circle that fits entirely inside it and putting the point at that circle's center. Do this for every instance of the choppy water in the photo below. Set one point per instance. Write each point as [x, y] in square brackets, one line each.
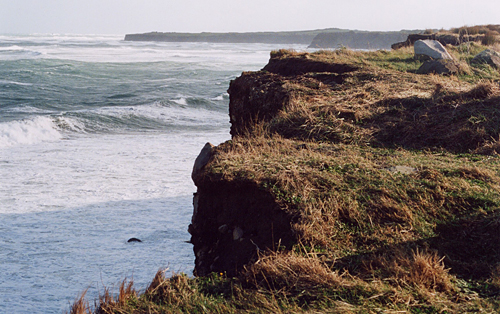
[97, 140]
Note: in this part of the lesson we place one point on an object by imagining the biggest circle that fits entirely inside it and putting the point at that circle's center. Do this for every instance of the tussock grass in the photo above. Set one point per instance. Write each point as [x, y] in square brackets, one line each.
[291, 274]
[81, 305]
[108, 302]
[419, 269]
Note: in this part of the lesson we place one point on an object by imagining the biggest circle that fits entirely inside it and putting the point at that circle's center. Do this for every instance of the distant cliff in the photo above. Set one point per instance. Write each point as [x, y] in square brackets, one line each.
[324, 38]
[300, 37]
[358, 40]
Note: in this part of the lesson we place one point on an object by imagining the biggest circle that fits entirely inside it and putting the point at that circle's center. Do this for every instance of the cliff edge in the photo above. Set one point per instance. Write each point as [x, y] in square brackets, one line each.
[351, 184]
[358, 165]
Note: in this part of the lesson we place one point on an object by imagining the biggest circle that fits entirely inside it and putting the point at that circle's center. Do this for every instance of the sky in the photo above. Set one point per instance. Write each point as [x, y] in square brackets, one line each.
[138, 16]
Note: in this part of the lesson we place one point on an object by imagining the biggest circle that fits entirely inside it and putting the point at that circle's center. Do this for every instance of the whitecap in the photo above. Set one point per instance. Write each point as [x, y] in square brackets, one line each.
[180, 101]
[5, 82]
[221, 97]
[69, 124]
[28, 131]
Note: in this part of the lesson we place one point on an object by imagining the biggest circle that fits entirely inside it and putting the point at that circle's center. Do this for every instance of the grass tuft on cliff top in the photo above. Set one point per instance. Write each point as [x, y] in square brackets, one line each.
[393, 178]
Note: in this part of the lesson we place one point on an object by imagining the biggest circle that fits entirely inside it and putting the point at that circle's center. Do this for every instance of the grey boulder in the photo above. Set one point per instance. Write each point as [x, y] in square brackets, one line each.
[432, 49]
[201, 161]
[488, 56]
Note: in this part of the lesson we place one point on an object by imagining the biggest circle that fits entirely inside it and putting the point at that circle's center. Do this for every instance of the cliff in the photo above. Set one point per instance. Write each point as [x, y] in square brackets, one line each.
[324, 38]
[351, 184]
[299, 37]
[358, 40]
[359, 164]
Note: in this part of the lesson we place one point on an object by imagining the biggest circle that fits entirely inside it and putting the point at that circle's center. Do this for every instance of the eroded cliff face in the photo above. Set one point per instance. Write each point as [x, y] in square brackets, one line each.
[256, 97]
[232, 223]
[233, 219]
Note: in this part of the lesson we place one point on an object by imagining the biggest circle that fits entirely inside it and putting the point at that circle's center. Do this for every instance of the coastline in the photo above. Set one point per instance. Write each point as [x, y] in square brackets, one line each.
[322, 38]
[351, 184]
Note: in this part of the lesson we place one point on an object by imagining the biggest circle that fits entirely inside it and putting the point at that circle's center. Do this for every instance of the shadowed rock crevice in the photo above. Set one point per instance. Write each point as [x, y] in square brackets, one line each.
[471, 246]
[232, 223]
[455, 122]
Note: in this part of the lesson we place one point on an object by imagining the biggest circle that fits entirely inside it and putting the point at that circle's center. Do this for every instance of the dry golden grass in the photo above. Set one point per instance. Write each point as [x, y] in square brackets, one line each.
[416, 268]
[81, 305]
[476, 29]
[109, 303]
[325, 157]
[291, 273]
[173, 291]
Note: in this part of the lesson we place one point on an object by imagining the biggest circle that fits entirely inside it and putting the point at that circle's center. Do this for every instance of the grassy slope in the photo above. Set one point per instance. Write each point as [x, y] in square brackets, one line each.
[368, 240]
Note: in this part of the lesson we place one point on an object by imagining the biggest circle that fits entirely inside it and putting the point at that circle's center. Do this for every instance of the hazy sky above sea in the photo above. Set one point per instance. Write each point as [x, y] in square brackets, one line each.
[135, 16]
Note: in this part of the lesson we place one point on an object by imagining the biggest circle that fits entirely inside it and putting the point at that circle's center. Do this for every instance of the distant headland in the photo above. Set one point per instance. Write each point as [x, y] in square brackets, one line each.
[321, 38]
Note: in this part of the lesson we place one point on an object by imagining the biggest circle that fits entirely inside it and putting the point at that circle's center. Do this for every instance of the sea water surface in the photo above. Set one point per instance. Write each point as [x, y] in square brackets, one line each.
[97, 141]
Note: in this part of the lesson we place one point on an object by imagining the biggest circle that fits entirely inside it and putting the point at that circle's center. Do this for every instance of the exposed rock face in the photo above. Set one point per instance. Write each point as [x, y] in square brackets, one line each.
[488, 56]
[432, 49]
[201, 161]
[441, 66]
[255, 97]
[232, 223]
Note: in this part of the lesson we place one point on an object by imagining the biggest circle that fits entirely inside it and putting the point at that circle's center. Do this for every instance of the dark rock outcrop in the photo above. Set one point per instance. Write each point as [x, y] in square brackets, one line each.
[201, 161]
[440, 66]
[488, 56]
[255, 97]
[133, 240]
[301, 65]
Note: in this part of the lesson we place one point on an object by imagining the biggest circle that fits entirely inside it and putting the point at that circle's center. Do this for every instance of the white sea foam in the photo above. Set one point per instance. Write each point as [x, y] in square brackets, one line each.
[5, 82]
[28, 131]
[17, 52]
[181, 116]
[112, 48]
[180, 101]
[221, 97]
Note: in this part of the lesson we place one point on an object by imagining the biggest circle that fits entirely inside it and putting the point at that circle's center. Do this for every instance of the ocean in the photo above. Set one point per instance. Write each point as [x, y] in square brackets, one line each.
[97, 141]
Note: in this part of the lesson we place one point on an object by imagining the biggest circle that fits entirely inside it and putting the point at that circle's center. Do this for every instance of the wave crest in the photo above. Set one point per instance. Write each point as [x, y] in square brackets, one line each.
[28, 131]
